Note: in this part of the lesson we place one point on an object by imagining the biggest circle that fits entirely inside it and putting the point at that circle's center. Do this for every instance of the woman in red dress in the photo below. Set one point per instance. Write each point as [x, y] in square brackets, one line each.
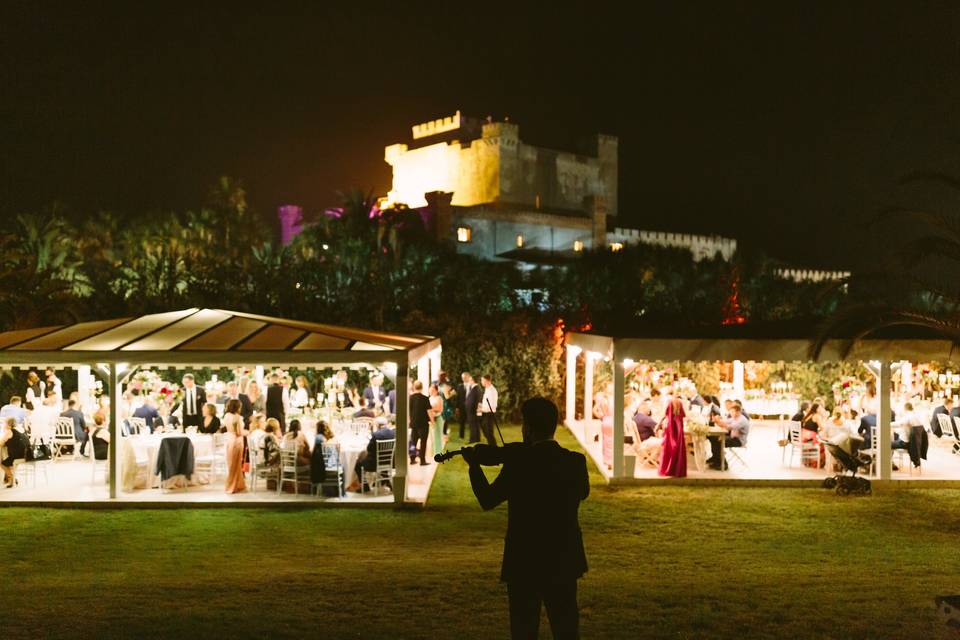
[673, 457]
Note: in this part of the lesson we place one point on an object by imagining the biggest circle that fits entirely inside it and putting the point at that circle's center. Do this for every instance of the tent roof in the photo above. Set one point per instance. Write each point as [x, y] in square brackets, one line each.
[206, 333]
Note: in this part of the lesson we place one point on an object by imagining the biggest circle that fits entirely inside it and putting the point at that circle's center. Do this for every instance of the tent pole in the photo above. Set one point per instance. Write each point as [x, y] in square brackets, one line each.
[114, 428]
[618, 409]
[884, 434]
[400, 450]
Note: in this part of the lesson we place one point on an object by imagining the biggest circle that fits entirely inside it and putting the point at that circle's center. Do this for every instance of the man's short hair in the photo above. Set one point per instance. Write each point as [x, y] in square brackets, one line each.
[488, 377]
[946, 400]
[738, 406]
[540, 416]
[15, 399]
[71, 404]
[188, 376]
[51, 392]
[418, 386]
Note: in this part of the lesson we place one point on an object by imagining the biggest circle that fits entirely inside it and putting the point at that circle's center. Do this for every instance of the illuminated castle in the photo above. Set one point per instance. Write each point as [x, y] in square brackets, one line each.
[499, 197]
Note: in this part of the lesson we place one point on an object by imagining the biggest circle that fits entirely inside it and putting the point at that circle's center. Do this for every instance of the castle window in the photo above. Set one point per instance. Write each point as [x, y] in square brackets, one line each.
[616, 246]
[464, 234]
[519, 241]
[578, 245]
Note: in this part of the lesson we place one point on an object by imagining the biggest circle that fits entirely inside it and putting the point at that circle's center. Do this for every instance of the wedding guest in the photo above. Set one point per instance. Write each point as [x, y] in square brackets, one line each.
[148, 411]
[364, 411]
[258, 402]
[210, 423]
[271, 443]
[344, 392]
[436, 407]
[390, 407]
[274, 403]
[100, 438]
[673, 453]
[16, 448]
[257, 432]
[737, 426]
[13, 409]
[944, 409]
[472, 395]
[798, 416]
[325, 434]
[301, 395]
[367, 460]
[194, 397]
[603, 411]
[79, 424]
[165, 421]
[375, 394]
[643, 418]
[810, 427]
[233, 393]
[296, 438]
[449, 401]
[43, 420]
[286, 383]
[53, 382]
[234, 428]
[419, 424]
[35, 391]
[869, 408]
[488, 408]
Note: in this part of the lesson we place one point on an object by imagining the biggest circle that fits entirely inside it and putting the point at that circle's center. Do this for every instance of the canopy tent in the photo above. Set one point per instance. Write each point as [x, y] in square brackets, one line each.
[215, 337]
[623, 351]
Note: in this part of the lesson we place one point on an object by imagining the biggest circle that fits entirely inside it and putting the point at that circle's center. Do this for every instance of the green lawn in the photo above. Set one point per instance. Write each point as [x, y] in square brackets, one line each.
[664, 563]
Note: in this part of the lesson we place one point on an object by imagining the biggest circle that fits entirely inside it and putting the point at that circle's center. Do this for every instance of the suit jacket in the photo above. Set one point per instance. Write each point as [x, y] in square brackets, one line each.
[472, 400]
[646, 426]
[274, 405]
[543, 485]
[935, 421]
[246, 407]
[194, 419]
[461, 396]
[384, 433]
[79, 423]
[419, 408]
[372, 399]
[150, 415]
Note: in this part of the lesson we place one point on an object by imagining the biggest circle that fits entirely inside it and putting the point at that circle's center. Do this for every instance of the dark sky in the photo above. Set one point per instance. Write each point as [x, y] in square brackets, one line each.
[782, 124]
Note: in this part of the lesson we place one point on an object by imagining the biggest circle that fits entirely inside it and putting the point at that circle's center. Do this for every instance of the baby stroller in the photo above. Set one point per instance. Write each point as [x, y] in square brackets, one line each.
[851, 461]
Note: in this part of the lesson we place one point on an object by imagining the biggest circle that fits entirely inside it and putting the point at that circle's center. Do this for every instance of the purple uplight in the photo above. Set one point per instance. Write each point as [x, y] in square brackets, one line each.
[291, 222]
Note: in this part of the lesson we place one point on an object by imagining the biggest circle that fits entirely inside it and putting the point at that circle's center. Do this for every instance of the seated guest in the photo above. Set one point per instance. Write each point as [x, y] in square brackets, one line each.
[908, 420]
[367, 460]
[813, 421]
[271, 443]
[300, 397]
[375, 394]
[257, 432]
[15, 410]
[44, 418]
[798, 416]
[325, 434]
[364, 411]
[164, 420]
[79, 424]
[737, 427]
[148, 411]
[295, 437]
[646, 425]
[14, 446]
[100, 438]
[944, 409]
[209, 422]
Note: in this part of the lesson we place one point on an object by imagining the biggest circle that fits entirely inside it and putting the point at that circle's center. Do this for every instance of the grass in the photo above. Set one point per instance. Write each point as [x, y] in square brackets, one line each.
[665, 562]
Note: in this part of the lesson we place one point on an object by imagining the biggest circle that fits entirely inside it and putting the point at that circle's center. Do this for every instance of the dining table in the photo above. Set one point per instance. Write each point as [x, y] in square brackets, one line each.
[138, 460]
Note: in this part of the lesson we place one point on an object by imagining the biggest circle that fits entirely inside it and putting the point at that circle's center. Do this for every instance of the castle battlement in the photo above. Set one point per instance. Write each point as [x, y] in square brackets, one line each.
[440, 125]
[811, 275]
[700, 247]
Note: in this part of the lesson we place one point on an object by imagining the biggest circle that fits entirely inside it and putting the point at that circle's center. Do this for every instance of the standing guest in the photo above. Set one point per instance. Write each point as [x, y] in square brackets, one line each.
[944, 409]
[233, 393]
[543, 485]
[16, 448]
[472, 396]
[487, 410]
[148, 411]
[35, 391]
[344, 396]
[14, 410]
[603, 411]
[673, 455]
[391, 405]
[436, 407]
[449, 402]
[210, 423]
[737, 426]
[79, 424]
[233, 425]
[462, 389]
[296, 439]
[53, 382]
[869, 408]
[375, 394]
[419, 423]
[258, 403]
[194, 398]
[274, 403]
[364, 411]
[286, 383]
[43, 420]
[301, 395]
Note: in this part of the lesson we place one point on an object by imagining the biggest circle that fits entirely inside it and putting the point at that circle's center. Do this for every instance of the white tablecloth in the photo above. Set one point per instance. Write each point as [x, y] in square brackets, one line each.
[141, 450]
[771, 407]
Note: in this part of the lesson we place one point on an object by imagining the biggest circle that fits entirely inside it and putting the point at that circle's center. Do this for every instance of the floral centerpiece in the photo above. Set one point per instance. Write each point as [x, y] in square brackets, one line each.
[848, 387]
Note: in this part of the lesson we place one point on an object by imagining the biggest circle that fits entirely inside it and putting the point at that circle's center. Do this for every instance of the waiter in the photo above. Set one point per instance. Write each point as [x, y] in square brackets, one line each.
[543, 485]
[194, 398]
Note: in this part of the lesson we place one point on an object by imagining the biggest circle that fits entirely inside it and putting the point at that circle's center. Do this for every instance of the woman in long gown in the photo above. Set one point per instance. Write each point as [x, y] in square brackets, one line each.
[233, 424]
[603, 411]
[673, 457]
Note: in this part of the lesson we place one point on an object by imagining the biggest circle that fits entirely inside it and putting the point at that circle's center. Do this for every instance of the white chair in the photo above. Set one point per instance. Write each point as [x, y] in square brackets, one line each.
[736, 453]
[955, 433]
[901, 458]
[873, 450]
[219, 455]
[23, 470]
[290, 471]
[258, 471]
[793, 441]
[333, 468]
[946, 425]
[63, 437]
[384, 471]
[136, 426]
[99, 465]
[361, 427]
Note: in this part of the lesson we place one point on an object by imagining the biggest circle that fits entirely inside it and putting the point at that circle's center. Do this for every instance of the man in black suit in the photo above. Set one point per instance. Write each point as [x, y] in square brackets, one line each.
[947, 409]
[79, 424]
[148, 411]
[194, 398]
[274, 404]
[375, 394]
[233, 393]
[367, 460]
[472, 393]
[419, 422]
[461, 402]
[543, 485]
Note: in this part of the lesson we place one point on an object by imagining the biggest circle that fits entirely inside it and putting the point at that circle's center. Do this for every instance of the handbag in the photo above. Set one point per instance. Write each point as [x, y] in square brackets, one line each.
[41, 452]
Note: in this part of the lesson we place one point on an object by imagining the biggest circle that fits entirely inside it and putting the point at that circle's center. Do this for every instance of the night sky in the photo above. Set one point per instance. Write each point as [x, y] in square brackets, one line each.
[785, 125]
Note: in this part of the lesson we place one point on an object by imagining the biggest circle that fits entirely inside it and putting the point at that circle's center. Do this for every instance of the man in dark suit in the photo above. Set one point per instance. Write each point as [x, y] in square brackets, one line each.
[461, 400]
[194, 398]
[471, 401]
[233, 393]
[148, 411]
[375, 394]
[79, 424]
[543, 485]
[947, 409]
[419, 422]
[367, 460]
[274, 404]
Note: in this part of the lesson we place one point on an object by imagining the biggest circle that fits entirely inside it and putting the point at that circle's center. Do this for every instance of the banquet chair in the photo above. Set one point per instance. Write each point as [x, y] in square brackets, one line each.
[384, 471]
[955, 432]
[794, 442]
[873, 450]
[23, 470]
[289, 470]
[736, 453]
[99, 465]
[136, 426]
[219, 455]
[63, 437]
[946, 425]
[901, 458]
[334, 470]
[361, 427]
[258, 470]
